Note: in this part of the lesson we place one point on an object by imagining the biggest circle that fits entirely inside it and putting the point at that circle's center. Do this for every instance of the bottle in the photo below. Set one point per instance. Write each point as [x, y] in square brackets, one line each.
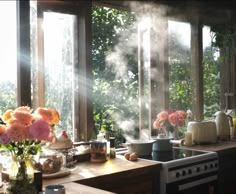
[112, 147]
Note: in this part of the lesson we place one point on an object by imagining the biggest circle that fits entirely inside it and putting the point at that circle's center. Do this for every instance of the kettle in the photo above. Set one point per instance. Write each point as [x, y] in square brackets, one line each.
[223, 125]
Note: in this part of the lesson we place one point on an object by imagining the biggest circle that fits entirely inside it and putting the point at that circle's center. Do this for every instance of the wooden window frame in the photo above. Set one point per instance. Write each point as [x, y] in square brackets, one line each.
[82, 97]
[83, 106]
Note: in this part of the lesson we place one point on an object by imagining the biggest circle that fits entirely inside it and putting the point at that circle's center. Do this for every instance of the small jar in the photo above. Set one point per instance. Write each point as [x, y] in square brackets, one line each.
[98, 150]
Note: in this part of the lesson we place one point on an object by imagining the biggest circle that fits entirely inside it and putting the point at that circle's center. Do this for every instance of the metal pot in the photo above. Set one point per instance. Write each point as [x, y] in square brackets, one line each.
[141, 147]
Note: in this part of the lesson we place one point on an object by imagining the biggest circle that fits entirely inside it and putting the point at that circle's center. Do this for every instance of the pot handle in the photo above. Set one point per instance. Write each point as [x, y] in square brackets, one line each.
[230, 120]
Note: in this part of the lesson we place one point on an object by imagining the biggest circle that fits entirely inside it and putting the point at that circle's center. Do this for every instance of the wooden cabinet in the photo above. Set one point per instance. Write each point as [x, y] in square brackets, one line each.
[227, 164]
[137, 181]
[227, 171]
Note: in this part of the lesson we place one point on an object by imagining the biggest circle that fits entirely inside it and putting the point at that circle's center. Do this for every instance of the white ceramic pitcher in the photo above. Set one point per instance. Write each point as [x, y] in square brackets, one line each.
[222, 125]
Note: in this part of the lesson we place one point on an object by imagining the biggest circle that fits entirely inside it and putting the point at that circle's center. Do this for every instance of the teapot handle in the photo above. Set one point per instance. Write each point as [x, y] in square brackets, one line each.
[230, 120]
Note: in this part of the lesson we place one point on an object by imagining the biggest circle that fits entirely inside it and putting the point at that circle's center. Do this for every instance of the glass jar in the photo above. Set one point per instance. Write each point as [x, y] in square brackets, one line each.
[98, 150]
[50, 161]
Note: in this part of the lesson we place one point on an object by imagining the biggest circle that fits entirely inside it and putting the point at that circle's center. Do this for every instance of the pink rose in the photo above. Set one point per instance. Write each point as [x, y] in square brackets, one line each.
[162, 116]
[173, 118]
[40, 130]
[156, 124]
[44, 114]
[16, 132]
[22, 117]
[181, 114]
[5, 139]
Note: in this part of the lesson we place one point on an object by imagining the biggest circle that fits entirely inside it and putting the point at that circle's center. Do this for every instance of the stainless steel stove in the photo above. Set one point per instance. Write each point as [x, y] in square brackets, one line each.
[187, 171]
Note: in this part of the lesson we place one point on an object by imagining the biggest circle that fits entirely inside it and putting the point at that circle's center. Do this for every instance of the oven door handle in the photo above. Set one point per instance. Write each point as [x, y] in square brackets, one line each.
[197, 182]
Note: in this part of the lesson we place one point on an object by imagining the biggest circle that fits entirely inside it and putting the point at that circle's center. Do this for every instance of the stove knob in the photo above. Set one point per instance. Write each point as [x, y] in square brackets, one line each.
[189, 171]
[183, 172]
[205, 167]
[211, 166]
[177, 175]
[216, 165]
[198, 169]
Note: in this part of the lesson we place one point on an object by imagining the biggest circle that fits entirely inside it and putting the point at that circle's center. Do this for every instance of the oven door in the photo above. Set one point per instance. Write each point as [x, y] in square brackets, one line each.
[195, 185]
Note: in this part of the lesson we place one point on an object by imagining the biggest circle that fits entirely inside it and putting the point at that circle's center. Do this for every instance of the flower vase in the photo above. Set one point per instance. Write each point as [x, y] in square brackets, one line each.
[21, 175]
[174, 134]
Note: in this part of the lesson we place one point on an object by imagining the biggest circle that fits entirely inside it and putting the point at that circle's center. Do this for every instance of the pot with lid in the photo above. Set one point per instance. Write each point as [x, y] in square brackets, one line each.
[223, 125]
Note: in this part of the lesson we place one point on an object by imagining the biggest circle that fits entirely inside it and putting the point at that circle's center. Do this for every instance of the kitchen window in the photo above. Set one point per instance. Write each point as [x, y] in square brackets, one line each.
[62, 76]
[52, 76]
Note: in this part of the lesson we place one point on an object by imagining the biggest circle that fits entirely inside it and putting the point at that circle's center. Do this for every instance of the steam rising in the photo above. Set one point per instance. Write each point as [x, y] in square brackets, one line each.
[150, 19]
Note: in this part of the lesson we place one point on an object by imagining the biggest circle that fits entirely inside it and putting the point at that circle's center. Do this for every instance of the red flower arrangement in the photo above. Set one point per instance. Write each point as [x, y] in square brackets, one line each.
[168, 120]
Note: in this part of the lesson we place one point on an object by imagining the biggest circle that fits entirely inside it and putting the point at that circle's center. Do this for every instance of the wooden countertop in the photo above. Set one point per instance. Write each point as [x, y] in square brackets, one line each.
[220, 146]
[87, 170]
[76, 188]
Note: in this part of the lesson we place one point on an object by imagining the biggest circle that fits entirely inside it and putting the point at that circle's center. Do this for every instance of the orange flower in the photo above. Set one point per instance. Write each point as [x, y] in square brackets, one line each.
[2, 129]
[44, 114]
[7, 116]
[22, 117]
[55, 117]
[23, 108]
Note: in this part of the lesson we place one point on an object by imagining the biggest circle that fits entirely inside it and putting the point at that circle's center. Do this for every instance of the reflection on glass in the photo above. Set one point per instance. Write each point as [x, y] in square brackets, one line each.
[59, 59]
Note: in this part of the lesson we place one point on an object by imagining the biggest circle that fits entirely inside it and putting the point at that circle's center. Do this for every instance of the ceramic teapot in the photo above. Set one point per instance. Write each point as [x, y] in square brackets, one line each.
[223, 125]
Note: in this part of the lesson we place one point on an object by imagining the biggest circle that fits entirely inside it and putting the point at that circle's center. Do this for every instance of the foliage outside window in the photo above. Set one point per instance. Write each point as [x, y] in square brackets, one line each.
[115, 72]
[8, 55]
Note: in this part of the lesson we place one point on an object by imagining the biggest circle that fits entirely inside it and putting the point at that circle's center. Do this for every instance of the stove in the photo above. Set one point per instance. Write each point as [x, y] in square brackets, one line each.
[187, 171]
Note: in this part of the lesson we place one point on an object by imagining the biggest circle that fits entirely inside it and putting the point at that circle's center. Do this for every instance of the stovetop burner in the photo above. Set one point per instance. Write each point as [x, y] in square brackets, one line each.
[174, 154]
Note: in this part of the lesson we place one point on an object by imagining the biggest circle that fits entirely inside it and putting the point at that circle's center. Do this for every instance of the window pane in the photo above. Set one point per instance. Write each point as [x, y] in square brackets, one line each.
[179, 66]
[8, 55]
[115, 72]
[58, 36]
[211, 76]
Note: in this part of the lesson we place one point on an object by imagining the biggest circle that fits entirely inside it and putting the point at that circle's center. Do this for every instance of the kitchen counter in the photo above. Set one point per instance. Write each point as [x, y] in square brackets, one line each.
[75, 188]
[116, 175]
[221, 146]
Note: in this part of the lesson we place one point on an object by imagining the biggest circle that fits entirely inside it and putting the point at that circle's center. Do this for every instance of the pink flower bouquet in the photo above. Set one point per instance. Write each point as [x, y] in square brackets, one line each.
[24, 129]
[169, 120]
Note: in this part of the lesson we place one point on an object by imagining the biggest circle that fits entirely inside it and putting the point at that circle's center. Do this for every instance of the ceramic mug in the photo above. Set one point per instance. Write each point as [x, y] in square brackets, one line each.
[55, 189]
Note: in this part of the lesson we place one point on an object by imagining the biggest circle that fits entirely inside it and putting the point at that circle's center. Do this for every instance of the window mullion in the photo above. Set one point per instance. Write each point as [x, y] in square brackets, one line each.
[83, 113]
[23, 54]
[197, 70]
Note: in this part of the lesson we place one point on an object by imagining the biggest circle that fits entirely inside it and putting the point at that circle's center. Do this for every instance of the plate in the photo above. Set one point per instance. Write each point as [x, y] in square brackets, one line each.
[63, 172]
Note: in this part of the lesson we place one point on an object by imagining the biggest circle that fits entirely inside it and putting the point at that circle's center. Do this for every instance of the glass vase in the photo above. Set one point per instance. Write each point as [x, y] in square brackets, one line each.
[21, 175]
[174, 134]
[22, 168]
